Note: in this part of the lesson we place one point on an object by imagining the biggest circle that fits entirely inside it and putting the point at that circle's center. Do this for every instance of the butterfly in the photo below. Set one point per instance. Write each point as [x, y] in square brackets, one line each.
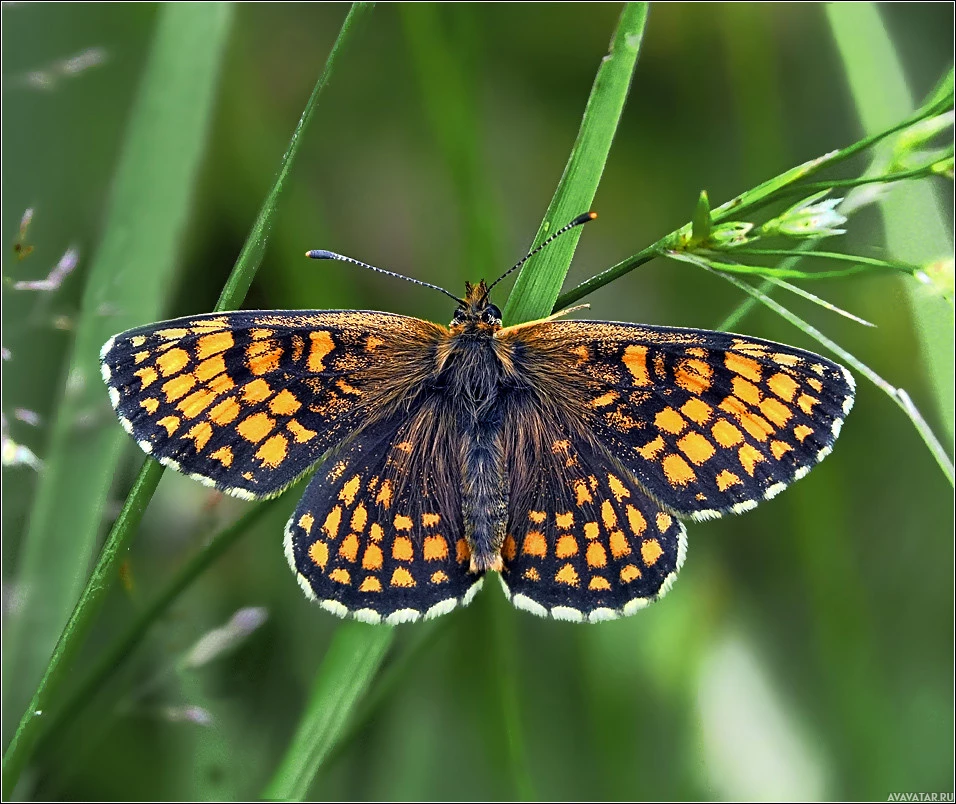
[561, 455]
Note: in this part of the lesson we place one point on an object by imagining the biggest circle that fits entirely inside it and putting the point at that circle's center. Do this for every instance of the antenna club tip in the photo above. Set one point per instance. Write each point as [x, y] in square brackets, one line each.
[320, 254]
[592, 215]
[585, 218]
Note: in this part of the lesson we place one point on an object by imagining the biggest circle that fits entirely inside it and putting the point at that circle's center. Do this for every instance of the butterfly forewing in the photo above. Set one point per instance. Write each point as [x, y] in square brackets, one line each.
[708, 422]
[248, 401]
[378, 532]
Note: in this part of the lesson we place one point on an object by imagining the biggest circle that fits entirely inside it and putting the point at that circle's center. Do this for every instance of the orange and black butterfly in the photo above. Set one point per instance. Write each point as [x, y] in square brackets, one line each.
[560, 454]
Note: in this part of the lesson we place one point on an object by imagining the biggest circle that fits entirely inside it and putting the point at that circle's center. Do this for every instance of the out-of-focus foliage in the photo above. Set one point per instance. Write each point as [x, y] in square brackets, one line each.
[806, 650]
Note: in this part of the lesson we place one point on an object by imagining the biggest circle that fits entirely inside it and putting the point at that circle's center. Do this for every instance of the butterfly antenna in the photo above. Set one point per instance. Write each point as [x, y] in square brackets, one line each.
[578, 221]
[322, 254]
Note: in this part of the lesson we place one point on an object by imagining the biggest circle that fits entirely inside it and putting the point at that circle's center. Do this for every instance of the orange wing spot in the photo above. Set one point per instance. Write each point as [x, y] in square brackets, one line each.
[462, 551]
[678, 471]
[299, 433]
[596, 555]
[635, 358]
[582, 493]
[630, 573]
[439, 577]
[532, 574]
[372, 343]
[430, 520]
[744, 366]
[567, 546]
[697, 411]
[784, 360]
[384, 495]
[404, 446]
[603, 401]
[172, 334]
[345, 388]
[319, 553]
[693, 376]
[726, 434]
[560, 446]
[696, 447]
[581, 352]
[298, 346]
[436, 548]
[350, 489]
[779, 449]
[320, 345]
[403, 522]
[747, 391]
[341, 576]
[371, 584]
[224, 456]
[806, 403]
[139, 357]
[537, 516]
[403, 578]
[402, 549]
[651, 550]
[273, 451]
[149, 405]
[256, 391]
[372, 559]
[196, 403]
[776, 411]
[599, 584]
[170, 423]
[725, 479]
[664, 521]
[332, 522]
[200, 434]
[306, 521]
[349, 548]
[225, 412]
[636, 520]
[137, 341]
[651, 450]
[509, 549]
[172, 361]
[210, 368]
[177, 387]
[284, 403]
[757, 426]
[591, 530]
[213, 344]
[749, 458]
[564, 521]
[670, 421]
[359, 518]
[801, 431]
[619, 545]
[256, 427]
[608, 516]
[567, 575]
[146, 376]
[815, 384]
[696, 351]
[220, 384]
[375, 532]
[534, 544]
[618, 489]
[783, 386]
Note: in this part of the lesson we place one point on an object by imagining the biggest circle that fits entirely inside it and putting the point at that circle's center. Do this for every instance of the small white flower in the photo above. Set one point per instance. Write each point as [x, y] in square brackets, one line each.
[808, 219]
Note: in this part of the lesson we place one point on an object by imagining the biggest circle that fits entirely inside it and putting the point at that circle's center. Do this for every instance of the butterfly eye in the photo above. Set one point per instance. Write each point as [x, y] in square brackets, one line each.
[492, 314]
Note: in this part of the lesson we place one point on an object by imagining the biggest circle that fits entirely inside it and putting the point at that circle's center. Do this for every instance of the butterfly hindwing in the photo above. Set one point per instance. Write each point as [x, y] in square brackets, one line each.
[378, 533]
[247, 401]
[585, 542]
[708, 422]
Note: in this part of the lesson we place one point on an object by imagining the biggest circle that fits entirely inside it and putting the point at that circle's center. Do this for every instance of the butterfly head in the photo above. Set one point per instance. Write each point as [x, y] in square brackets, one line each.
[476, 313]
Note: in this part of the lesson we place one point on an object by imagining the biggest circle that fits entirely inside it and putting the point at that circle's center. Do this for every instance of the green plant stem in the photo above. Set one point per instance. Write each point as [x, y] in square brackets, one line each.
[539, 282]
[350, 664]
[891, 265]
[29, 729]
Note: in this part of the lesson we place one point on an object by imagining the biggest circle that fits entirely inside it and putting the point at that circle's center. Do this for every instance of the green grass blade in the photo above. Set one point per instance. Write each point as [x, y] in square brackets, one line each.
[349, 667]
[130, 272]
[29, 729]
[539, 282]
[915, 228]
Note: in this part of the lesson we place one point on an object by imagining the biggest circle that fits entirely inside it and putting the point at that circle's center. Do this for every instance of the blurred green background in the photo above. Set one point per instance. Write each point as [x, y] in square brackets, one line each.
[807, 648]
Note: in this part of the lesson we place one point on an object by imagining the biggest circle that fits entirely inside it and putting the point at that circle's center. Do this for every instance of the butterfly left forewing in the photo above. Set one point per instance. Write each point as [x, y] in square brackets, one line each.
[247, 401]
[708, 422]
